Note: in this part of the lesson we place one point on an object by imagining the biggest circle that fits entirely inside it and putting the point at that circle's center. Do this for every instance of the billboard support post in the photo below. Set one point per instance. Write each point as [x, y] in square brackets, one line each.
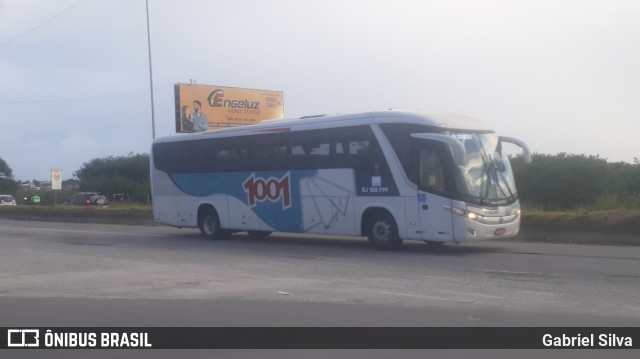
[153, 119]
[56, 182]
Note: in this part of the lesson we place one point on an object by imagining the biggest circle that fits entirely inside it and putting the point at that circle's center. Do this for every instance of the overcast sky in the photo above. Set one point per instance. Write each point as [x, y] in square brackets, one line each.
[564, 76]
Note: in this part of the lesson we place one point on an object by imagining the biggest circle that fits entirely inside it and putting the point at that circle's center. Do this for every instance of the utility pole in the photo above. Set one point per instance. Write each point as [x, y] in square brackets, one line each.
[153, 119]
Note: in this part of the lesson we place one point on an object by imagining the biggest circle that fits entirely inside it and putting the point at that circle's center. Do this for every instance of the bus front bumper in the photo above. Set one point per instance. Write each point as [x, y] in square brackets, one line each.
[466, 229]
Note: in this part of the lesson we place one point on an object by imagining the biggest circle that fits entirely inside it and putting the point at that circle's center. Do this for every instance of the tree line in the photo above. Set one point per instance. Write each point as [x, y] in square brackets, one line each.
[7, 184]
[569, 181]
[123, 177]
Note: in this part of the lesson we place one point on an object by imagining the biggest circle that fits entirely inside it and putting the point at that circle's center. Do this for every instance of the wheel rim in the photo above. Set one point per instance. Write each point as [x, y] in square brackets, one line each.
[381, 231]
[209, 225]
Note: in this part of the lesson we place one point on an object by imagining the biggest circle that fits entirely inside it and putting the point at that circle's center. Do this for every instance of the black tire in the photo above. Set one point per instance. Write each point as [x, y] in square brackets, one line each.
[382, 232]
[209, 224]
[259, 234]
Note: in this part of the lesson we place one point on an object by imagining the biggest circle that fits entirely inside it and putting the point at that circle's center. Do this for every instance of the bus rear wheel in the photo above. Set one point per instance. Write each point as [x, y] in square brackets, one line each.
[383, 232]
[209, 224]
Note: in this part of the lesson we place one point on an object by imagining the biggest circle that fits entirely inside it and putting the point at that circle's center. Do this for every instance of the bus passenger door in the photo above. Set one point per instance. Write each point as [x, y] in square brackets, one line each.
[428, 172]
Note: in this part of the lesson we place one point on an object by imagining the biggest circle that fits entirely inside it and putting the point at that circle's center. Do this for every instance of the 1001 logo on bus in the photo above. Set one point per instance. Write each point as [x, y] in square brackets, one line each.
[259, 189]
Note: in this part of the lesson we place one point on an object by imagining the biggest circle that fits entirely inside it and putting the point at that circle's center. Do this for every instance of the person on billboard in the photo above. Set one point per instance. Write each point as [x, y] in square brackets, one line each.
[200, 120]
[185, 119]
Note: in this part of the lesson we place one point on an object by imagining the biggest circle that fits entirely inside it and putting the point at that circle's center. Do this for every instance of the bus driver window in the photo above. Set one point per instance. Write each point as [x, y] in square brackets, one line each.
[431, 171]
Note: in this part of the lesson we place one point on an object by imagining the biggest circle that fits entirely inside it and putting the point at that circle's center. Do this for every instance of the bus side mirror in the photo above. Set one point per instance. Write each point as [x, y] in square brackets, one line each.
[525, 149]
[457, 148]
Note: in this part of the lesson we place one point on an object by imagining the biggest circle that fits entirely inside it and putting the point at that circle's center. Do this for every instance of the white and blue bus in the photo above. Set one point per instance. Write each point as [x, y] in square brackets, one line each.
[389, 176]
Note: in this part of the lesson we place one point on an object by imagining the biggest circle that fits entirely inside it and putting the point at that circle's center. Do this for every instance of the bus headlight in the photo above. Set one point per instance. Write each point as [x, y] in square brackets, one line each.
[461, 212]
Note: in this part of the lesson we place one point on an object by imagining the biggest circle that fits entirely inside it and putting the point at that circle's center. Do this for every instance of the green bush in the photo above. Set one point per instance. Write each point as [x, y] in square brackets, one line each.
[568, 181]
[7, 184]
[127, 176]
[614, 202]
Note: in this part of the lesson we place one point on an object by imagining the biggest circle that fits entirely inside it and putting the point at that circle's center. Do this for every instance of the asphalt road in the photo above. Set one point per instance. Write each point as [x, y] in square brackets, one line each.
[62, 274]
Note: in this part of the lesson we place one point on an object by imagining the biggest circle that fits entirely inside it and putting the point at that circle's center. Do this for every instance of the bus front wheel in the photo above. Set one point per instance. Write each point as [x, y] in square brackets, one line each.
[383, 232]
[209, 224]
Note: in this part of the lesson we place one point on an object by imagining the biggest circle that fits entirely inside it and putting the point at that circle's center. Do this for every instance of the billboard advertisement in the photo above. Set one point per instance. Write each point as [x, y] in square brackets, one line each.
[206, 107]
[56, 179]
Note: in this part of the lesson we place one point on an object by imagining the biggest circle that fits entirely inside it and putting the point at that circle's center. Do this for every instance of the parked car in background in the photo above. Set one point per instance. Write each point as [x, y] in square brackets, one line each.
[87, 199]
[7, 200]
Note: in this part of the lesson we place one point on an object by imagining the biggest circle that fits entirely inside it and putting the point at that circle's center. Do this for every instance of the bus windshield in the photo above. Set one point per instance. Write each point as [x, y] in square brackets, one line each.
[486, 178]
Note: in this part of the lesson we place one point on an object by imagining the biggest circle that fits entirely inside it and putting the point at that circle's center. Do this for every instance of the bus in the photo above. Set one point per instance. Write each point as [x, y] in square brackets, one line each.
[388, 176]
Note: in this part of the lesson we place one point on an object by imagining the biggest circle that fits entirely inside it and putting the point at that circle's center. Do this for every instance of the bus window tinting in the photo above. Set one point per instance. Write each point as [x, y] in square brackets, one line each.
[345, 147]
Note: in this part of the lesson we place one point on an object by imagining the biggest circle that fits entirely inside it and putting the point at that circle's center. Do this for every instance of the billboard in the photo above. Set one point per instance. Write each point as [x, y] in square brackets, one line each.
[205, 107]
[56, 179]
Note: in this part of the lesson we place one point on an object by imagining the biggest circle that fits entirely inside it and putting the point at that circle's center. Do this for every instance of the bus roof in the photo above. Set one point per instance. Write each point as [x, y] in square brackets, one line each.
[442, 121]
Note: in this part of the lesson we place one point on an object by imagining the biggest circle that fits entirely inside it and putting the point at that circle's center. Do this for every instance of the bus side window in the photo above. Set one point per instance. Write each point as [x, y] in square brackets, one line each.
[359, 148]
[162, 156]
[398, 135]
[431, 171]
[268, 152]
[311, 150]
[175, 156]
[297, 152]
[198, 156]
[231, 155]
[353, 147]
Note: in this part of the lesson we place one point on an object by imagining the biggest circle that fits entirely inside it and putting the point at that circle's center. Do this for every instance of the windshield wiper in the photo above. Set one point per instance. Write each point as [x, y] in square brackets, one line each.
[485, 195]
[486, 159]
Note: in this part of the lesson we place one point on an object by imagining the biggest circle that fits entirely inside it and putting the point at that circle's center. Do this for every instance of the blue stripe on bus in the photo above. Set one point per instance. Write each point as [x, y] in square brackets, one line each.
[273, 195]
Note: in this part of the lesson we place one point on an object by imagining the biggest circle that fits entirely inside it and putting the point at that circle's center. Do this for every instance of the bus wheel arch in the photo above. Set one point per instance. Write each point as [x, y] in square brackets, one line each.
[209, 223]
[381, 228]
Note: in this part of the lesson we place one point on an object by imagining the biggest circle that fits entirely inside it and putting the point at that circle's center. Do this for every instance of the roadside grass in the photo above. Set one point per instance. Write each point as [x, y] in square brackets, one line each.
[614, 201]
[117, 208]
[583, 217]
[606, 210]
